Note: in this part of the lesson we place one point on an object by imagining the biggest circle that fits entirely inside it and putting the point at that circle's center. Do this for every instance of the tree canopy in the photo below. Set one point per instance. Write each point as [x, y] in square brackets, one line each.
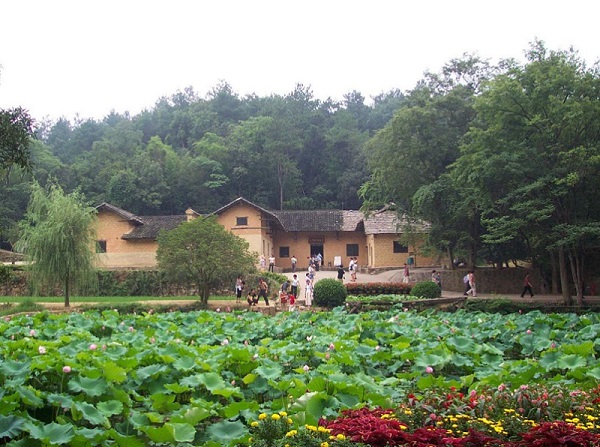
[57, 237]
[202, 252]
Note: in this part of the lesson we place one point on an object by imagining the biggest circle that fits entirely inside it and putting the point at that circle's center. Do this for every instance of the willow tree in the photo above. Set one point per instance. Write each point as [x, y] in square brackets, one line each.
[57, 237]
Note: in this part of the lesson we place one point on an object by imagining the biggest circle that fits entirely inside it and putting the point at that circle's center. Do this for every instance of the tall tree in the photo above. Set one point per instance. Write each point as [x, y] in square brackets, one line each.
[535, 156]
[16, 130]
[57, 237]
[203, 253]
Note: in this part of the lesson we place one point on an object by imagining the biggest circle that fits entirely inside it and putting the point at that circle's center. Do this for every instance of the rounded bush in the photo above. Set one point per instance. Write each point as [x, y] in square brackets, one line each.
[330, 293]
[426, 289]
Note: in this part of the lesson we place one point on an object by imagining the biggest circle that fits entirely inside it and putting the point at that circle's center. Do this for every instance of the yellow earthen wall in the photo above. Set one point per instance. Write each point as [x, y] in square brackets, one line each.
[112, 227]
[256, 232]
[381, 249]
[334, 244]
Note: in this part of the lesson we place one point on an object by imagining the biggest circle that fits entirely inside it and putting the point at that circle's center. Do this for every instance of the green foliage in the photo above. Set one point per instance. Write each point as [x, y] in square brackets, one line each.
[204, 254]
[378, 288]
[132, 283]
[330, 293]
[16, 130]
[57, 237]
[426, 289]
[7, 274]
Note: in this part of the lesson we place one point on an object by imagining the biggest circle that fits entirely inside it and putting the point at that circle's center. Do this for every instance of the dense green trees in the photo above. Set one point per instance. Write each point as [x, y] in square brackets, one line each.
[500, 160]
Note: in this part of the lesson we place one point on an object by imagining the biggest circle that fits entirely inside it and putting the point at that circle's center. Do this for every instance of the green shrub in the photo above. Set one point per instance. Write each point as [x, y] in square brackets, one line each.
[330, 293]
[426, 289]
[378, 288]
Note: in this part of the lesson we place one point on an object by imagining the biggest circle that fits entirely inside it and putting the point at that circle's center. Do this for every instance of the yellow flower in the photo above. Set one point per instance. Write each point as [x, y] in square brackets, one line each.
[340, 437]
[262, 416]
[289, 421]
[325, 444]
[275, 417]
[282, 414]
[254, 424]
[291, 433]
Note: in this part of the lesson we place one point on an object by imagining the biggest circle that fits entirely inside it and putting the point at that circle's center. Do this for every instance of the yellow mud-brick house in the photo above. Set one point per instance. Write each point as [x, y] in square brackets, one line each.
[126, 240]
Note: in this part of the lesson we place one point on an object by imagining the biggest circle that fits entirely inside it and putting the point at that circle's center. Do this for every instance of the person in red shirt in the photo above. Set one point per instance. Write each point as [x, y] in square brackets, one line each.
[527, 287]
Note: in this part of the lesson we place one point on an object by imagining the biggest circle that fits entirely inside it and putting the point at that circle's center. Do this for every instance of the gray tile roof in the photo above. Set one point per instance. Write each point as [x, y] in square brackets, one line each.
[319, 220]
[121, 212]
[388, 222]
[152, 225]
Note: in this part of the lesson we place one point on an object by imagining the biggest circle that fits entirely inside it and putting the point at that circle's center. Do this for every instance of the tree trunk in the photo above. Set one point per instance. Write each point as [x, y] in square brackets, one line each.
[564, 277]
[555, 276]
[576, 262]
[450, 257]
[67, 304]
[280, 181]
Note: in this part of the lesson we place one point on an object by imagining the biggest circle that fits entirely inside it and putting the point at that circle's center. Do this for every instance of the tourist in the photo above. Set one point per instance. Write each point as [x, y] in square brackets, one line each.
[527, 287]
[406, 274]
[263, 290]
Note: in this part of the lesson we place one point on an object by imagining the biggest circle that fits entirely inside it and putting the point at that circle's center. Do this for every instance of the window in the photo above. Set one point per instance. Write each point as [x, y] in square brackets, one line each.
[284, 252]
[399, 248]
[100, 246]
[241, 221]
[351, 249]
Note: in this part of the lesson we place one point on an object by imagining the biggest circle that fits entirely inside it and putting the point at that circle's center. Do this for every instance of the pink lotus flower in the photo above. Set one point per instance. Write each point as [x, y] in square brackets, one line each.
[306, 368]
[32, 333]
[152, 340]
[93, 347]
[429, 370]
[529, 331]
[41, 350]
[66, 369]
[131, 329]
[377, 348]
[255, 356]
[218, 309]
[233, 383]
[225, 342]
[327, 356]
[501, 387]
[331, 346]
[246, 343]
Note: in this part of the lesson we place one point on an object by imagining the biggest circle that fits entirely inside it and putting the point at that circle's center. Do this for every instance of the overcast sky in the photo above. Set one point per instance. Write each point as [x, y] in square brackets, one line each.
[88, 57]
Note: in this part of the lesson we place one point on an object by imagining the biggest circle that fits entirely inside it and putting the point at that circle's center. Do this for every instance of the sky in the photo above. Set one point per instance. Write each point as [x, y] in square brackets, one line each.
[86, 58]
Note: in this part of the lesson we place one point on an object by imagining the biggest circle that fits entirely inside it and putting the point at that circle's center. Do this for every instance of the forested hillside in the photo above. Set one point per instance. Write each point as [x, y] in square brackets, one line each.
[281, 152]
[501, 160]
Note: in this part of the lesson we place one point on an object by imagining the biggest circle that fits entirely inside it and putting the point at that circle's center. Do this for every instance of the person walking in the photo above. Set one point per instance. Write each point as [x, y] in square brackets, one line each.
[272, 263]
[263, 290]
[294, 262]
[406, 274]
[341, 274]
[527, 287]
[308, 290]
[295, 283]
[472, 287]
[436, 278]
[239, 287]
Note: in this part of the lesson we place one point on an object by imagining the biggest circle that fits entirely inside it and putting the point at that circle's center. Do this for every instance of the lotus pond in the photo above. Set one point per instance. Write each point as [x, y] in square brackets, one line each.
[220, 378]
